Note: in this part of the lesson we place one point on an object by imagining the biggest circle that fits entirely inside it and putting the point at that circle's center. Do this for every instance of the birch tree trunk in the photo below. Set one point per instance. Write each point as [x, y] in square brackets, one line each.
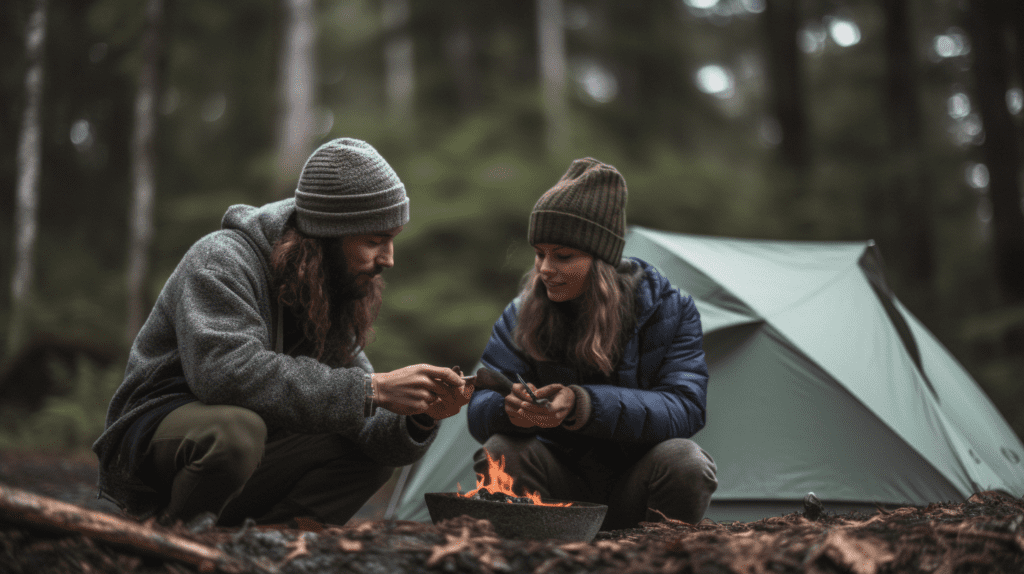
[296, 85]
[399, 65]
[29, 159]
[551, 51]
[140, 223]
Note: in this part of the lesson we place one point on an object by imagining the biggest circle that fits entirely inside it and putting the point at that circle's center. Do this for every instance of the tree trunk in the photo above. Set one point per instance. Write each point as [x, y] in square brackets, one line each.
[140, 223]
[782, 22]
[461, 50]
[296, 85]
[911, 199]
[551, 51]
[29, 159]
[399, 63]
[1016, 22]
[988, 21]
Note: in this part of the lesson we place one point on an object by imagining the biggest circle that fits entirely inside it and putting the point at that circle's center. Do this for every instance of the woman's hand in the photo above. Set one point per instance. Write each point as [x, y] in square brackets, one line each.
[417, 388]
[523, 413]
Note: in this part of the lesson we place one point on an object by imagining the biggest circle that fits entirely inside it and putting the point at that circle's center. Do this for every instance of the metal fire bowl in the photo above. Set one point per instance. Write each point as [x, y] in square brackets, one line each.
[577, 523]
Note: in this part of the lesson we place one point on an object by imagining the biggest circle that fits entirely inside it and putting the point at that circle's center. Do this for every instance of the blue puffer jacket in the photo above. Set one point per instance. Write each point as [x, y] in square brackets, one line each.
[658, 390]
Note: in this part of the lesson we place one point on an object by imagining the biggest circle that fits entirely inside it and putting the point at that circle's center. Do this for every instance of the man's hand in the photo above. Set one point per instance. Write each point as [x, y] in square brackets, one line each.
[524, 413]
[415, 389]
[449, 402]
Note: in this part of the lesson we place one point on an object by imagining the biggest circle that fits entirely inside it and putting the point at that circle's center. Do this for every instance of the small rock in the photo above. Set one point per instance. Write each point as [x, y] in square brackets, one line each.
[812, 507]
[201, 523]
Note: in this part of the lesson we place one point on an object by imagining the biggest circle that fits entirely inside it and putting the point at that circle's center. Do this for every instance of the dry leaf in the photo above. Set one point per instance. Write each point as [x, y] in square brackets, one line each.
[454, 545]
[298, 547]
[862, 556]
[347, 545]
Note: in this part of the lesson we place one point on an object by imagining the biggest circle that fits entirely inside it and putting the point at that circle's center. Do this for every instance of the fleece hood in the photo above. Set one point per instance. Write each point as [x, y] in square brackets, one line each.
[261, 226]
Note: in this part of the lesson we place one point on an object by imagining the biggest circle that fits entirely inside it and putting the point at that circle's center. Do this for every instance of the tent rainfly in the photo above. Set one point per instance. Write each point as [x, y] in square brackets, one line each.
[820, 381]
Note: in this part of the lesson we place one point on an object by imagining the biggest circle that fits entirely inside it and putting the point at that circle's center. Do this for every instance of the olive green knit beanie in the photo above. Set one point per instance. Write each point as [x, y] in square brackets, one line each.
[347, 188]
[586, 209]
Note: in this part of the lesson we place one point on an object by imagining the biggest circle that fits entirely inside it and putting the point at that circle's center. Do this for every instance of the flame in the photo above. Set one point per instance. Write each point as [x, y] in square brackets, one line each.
[497, 480]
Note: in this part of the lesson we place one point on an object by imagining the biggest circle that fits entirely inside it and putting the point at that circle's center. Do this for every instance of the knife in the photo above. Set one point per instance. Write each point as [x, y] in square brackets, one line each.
[486, 378]
[536, 401]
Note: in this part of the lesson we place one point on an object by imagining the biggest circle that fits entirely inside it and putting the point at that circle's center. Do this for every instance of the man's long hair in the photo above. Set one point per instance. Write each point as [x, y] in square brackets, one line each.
[337, 321]
[589, 331]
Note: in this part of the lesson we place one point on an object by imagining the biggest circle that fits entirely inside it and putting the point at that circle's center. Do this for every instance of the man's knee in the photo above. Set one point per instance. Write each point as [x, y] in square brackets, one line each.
[238, 438]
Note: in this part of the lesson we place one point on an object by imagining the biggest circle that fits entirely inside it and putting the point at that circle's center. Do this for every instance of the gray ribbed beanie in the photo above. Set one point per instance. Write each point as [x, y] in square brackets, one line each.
[347, 188]
[586, 209]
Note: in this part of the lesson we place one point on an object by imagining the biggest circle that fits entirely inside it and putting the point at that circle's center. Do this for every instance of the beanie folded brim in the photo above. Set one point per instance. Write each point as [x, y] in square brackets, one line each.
[325, 224]
[574, 231]
[351, 201]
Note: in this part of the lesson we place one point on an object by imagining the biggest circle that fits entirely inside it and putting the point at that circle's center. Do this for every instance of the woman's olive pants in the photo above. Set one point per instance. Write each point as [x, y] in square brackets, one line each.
[217, 459]
[675, 477]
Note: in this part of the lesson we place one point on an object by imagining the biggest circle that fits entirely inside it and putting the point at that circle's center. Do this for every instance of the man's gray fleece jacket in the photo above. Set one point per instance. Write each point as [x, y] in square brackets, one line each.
[215, 324]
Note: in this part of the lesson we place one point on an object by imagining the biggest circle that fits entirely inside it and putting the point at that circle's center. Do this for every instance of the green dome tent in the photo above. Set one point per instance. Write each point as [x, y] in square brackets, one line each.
[820, 380]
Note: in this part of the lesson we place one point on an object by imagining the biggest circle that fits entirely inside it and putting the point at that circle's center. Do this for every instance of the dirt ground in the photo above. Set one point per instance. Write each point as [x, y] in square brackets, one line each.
[984, 534]
[67, 477]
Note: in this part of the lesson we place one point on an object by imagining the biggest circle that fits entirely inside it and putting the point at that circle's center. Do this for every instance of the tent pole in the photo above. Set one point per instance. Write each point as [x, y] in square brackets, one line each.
[396, 495]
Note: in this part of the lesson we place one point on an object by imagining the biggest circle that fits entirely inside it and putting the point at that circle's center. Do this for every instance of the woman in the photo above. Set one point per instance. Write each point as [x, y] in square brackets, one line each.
[618, 353]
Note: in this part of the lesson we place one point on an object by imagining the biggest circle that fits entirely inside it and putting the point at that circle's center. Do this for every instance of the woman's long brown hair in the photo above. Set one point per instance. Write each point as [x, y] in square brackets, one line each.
[301, 277]
[589, 331]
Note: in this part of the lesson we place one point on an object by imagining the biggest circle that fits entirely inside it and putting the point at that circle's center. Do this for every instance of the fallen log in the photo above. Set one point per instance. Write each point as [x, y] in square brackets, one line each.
[27, 509]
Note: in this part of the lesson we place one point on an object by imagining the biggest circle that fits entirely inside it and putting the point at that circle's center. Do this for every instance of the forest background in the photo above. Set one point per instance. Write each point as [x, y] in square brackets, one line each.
[128, 128]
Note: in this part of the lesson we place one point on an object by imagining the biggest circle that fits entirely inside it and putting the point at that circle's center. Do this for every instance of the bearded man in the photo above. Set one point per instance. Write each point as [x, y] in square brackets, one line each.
[247, 392]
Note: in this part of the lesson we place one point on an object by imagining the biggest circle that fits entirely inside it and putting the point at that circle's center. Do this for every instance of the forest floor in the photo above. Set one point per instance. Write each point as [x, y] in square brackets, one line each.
[984, 534]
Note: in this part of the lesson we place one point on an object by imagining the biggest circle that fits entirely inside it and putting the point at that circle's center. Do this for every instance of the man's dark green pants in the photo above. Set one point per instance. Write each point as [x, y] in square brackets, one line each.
[219, 459]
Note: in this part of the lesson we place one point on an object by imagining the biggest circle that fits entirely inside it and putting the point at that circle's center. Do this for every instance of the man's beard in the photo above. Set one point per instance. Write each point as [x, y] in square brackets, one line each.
[343, 286]
[354, 301]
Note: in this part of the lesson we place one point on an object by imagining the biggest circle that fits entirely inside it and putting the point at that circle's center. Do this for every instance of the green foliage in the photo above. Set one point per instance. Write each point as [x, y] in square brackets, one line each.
[72, 418]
